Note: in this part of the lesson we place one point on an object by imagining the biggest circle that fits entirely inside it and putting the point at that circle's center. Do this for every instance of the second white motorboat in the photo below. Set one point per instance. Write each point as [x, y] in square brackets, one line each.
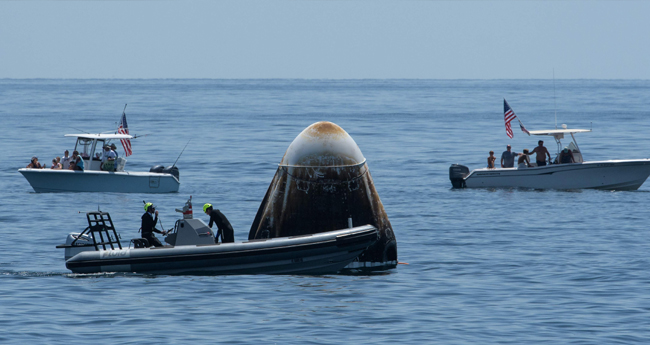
[609, 174]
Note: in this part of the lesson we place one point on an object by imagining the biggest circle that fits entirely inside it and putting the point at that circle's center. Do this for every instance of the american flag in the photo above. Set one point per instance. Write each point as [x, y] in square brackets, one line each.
[509, 115]
[123, 128]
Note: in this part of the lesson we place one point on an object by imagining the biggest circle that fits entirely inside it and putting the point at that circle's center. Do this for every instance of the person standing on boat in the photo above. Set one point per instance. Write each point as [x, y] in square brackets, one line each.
[149, 220]
[491, 160]
[65, 161]
[225, 231]
[508, 157]
[542, 152]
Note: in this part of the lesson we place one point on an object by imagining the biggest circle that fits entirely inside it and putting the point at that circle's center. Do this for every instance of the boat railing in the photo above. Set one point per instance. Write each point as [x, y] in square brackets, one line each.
[101, 230]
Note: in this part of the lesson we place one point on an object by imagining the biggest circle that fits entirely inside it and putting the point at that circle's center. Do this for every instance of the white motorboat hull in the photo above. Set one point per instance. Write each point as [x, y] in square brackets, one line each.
[48, 181]
[610, 175]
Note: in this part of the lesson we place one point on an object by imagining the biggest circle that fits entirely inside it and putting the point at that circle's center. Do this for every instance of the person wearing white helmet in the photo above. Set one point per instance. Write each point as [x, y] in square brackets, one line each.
[149, 220]
[225, 232]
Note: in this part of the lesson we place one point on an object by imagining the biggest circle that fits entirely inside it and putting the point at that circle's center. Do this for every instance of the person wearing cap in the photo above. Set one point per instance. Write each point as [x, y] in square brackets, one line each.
[114, 149]
[542, 152]
[65, 161]
[566, 156]
[508, 157]
[34, 164]
[225, 232]
[107, 156]
[149, 220]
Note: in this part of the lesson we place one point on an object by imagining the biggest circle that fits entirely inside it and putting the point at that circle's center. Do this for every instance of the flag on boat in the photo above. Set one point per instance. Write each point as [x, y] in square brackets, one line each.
[123, 128]
[508, 116]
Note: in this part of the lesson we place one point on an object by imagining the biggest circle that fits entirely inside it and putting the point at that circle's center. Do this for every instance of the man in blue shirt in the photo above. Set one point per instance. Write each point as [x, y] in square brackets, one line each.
[508, 158]
[78, 160]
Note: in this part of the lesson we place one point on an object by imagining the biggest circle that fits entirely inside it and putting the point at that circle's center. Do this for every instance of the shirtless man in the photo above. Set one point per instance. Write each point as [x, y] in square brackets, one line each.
[542, 152]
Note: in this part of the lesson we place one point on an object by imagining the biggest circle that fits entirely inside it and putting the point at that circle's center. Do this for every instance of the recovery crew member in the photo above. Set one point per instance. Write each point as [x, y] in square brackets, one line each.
[225, 231]
[149, 220]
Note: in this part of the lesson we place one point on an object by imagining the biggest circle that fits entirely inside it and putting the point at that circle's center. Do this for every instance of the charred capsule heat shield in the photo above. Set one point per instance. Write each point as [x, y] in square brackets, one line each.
[323, 184]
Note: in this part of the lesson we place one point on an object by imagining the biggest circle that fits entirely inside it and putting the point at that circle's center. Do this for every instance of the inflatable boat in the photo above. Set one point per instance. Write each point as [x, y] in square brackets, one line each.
[191, 249]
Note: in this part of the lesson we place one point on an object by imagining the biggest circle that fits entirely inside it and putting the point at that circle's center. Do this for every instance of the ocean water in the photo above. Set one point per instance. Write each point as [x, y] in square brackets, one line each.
[480, 266]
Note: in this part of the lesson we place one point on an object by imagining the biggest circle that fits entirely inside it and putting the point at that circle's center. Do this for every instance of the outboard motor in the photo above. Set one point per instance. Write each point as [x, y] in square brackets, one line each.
[157, 169]
[76, 243]
[457, 174]
[172, 169]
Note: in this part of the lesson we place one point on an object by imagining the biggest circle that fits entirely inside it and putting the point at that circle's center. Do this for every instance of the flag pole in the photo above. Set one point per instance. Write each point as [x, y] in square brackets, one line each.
[554, 102]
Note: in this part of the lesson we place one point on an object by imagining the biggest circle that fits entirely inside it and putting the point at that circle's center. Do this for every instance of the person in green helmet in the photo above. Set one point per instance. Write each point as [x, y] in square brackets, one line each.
[149, 220]
[225, 232]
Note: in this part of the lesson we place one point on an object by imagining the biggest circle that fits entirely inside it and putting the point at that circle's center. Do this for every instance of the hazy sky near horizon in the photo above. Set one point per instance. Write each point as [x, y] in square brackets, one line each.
[325, 39]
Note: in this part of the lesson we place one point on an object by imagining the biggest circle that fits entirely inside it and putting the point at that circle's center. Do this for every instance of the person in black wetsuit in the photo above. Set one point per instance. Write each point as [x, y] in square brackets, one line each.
[149, 220]
[225, 232]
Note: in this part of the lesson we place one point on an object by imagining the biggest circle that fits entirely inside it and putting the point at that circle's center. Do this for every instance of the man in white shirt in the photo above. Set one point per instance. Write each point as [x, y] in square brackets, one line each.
[107, 155]
[65, 161]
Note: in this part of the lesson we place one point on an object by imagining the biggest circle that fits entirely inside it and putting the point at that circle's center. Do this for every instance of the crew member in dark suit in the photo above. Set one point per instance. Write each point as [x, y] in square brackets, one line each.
[225, 232]
[149, 220]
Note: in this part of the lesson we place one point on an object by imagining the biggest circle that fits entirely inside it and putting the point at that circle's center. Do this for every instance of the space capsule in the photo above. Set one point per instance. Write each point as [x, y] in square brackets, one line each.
[322, 184]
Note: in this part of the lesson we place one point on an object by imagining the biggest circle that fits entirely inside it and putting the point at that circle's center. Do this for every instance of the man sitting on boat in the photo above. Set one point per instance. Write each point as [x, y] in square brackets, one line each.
[523, 161]
[566, 156]
[542, 152]
[34, 164]
[149, 220]
[225, 232]
[78, 161]
[114, 149]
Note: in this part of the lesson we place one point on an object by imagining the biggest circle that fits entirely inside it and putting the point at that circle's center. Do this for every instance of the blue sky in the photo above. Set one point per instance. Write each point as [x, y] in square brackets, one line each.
[325, 39]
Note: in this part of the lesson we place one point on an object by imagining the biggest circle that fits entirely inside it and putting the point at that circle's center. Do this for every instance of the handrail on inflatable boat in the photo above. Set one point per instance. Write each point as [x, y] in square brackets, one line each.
[100, 226]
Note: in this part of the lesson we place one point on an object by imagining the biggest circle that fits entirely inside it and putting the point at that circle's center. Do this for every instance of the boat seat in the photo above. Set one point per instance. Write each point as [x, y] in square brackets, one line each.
[140, 243]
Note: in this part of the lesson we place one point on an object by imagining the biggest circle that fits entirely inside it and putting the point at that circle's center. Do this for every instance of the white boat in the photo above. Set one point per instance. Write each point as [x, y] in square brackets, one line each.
[93, 179]
[627, 174]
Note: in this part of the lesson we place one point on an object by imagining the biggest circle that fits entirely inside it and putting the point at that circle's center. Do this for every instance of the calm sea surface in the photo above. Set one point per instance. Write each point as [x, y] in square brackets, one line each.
[484, 266]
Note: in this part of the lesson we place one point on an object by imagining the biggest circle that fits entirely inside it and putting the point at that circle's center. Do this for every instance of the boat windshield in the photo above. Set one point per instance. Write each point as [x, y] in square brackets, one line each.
[84, 147]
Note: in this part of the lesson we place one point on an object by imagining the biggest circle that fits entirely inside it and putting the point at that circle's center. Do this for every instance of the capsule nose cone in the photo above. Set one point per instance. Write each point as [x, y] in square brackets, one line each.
[323, 144]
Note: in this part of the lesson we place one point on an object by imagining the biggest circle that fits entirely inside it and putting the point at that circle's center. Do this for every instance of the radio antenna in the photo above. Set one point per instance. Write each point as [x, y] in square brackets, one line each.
[554, 102]
[179, 156]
